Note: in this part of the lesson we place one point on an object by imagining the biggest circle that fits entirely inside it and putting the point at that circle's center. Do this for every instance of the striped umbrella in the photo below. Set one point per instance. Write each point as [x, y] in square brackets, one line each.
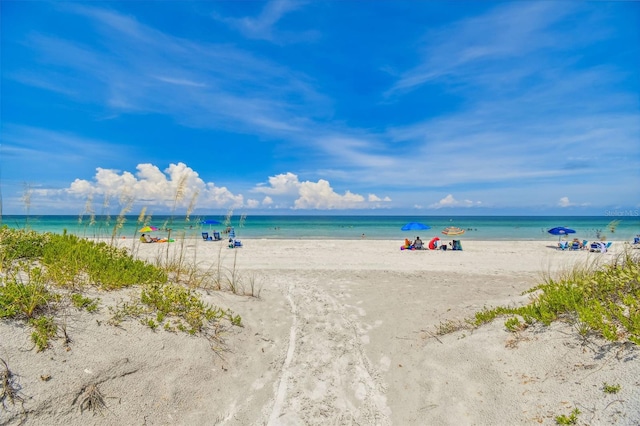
[148, 229]
[452, 230]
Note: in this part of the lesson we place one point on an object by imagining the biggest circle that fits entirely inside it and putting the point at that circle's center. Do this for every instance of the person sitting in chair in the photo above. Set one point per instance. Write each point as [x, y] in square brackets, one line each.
[418, 244]
[148, 239]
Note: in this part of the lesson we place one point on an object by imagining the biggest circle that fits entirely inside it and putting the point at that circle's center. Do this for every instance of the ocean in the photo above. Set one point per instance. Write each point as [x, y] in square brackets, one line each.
[610, 228]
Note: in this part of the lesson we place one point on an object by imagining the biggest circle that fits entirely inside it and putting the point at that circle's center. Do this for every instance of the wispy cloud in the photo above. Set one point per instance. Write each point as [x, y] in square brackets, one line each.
[510, 31]
[264, 25]
[516, 104]
[201, 85]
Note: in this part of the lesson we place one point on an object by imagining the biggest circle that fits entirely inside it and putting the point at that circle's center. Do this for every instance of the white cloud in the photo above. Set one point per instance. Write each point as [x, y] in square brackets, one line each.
[178, 185]
[320, 195]
[564, 202]
[449, 201]
[315, 195]
[282, 184]
[252, 204]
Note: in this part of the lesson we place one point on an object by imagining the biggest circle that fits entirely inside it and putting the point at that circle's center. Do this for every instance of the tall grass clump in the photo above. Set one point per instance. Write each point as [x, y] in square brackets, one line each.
[602, 300]
[38, 268]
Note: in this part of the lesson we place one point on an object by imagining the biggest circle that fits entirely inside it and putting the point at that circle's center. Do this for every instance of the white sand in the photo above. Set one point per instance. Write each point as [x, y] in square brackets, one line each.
[342, 334]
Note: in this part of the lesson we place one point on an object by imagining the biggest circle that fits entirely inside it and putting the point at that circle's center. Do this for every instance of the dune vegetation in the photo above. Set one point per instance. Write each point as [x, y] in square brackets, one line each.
[598, 300]
[43, 273]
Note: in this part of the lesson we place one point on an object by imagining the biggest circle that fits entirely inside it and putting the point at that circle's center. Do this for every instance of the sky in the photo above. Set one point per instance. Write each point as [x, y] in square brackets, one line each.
[334, 107]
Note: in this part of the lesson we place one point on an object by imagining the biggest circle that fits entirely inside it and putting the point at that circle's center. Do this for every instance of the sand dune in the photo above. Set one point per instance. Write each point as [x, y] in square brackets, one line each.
[343, 333]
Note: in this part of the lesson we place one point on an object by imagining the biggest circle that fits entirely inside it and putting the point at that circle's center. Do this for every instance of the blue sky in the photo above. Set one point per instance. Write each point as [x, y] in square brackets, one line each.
[282, 107]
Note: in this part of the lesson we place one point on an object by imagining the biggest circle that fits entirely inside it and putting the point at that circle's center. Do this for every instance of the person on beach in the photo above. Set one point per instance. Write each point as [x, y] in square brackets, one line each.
[148, 239]
[576, 243]
[418, 244]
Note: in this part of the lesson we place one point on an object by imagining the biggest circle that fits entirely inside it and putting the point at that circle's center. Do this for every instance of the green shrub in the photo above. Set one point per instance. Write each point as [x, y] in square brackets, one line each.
[603, 300]
[513, 324]
[35, 264]
[611, 389]
[44, 329]
[572, 419]
[19, 300]
[82, 302]
[184, 306]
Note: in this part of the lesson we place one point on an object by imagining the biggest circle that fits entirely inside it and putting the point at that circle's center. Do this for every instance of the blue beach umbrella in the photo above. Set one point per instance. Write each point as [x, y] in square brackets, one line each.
[415, 226]
[560, 231]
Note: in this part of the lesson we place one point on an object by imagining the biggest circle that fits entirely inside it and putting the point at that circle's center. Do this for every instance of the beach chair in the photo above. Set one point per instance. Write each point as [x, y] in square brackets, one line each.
[205, 236]
[600, 246]
[237, 243]
[456, 245]
[216, 236]
[575, 245]
[563, 245]
[636, 242]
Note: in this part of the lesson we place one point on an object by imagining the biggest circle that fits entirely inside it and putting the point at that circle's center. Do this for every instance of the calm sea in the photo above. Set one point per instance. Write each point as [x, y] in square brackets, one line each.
[345, 227]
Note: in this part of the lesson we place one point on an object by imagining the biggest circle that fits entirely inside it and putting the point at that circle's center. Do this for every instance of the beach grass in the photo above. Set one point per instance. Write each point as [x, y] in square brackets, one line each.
[601, 300]
[41, 273]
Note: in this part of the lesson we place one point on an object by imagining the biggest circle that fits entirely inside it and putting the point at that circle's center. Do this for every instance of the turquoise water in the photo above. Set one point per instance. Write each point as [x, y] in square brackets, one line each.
[346, 227]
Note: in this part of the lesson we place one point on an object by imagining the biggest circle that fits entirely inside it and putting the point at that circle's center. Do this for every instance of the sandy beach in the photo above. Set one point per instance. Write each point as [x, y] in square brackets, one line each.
[341, 333]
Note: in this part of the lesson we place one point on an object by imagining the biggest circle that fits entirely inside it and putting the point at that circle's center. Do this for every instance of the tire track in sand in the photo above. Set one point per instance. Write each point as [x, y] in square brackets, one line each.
[282, 386]
[326, 377]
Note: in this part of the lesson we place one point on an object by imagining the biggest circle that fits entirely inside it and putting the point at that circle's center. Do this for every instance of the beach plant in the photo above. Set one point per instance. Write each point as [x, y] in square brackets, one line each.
[254, 288]
[37, 266]
[44, 329]
[91, 399]
[610, 389]
[9, 386]
[127, 203]
[182, 304]
[233, 278]
[599, 299]
[450, 326]
[571, 419]
[513, 324]
[27, 194]
[24, 300]
[83, 302]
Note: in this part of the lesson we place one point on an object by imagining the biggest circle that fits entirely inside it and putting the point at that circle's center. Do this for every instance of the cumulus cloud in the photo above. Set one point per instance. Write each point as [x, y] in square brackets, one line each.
[564, 202]
[176, 185]
[373, 198]
[316, 195]
[320, 195]
[450, 201]
[252, 204]
[282, 184]
[180, 186]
